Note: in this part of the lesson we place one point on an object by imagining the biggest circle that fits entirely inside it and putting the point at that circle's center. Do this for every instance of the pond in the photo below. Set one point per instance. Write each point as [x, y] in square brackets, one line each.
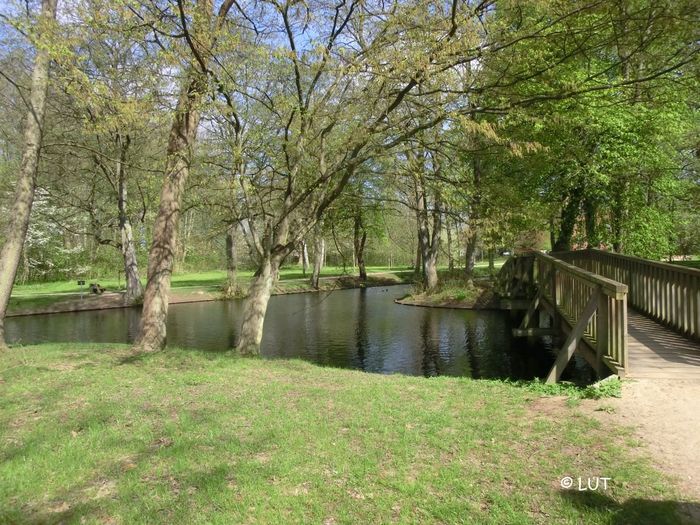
[361, 329]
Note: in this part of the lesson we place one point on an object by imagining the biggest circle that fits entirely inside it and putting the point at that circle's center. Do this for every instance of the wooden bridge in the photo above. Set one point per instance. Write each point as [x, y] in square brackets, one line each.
[630, 316]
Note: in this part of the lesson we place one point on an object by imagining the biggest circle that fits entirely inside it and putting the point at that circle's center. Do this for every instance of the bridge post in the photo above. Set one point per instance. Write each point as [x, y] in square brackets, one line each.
[555, 299]
[602, 332]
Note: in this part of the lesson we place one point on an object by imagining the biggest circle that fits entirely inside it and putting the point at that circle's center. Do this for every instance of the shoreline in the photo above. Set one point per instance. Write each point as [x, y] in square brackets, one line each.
[477, 296]
[113, 300]
[490, 305]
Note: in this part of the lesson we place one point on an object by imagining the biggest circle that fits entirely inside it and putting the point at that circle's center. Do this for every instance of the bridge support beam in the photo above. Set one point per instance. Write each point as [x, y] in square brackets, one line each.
[588, 310]
[572, 342]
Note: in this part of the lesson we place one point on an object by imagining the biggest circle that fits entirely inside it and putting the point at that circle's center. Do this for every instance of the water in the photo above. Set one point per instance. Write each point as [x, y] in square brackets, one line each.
[361, 329]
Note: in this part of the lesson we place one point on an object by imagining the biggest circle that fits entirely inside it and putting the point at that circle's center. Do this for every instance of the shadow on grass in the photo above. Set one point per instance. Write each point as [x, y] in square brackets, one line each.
[635, 511]
[167, 477]
[131, 356]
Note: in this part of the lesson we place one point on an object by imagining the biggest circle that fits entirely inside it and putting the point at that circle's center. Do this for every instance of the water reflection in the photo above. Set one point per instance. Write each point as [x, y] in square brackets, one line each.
[361, 329]
[361, 334]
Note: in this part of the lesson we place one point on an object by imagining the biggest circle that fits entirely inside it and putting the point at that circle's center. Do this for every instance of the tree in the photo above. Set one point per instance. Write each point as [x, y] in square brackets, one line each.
[201, 40]
[26, 180]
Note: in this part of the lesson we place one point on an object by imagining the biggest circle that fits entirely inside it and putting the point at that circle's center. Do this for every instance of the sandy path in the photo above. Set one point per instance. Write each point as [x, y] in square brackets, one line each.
[666, 417]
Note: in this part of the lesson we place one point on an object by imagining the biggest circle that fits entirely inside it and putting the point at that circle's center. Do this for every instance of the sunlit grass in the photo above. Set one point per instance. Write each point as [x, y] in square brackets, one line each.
[211, 278]
[196, 437]
[39, 295]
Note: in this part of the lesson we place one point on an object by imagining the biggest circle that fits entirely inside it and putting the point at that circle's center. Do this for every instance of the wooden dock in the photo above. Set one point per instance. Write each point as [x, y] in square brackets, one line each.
[656, 352]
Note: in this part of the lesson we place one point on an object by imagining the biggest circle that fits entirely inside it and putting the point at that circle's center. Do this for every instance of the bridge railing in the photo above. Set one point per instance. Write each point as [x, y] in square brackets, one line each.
[668, 293]
[591, 309]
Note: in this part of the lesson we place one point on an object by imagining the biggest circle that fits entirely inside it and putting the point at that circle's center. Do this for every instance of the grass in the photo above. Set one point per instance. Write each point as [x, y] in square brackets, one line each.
[194, 437]
[690, 264]
[610, 387]
[454, 290]
[454, 293]
[210, 280]
[40, 295]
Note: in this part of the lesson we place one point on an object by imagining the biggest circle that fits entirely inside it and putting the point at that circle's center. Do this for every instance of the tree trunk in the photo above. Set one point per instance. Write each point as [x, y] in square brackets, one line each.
[183, 133]
[319, 249]
[569, 215]
[552, 233]
[618, 218]
[429, 243]
[590, 211]
[430, 279]
[418, 265]
[359, 241]
[231, 261]
[304, 258]
[26, 181]
[450, 259]
[474, 212]
[134, 290]
[256, 308]
[470, 252]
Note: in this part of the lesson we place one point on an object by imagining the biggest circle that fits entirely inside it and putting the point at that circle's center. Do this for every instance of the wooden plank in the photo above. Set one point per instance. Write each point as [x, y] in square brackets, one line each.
[609, 286]
[530, 312]
[647, 262]
[569, 347]
[602, 333]
[668, 293]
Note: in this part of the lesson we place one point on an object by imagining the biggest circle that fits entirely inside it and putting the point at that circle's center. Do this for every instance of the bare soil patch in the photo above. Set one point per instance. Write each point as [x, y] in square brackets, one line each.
[666, 420]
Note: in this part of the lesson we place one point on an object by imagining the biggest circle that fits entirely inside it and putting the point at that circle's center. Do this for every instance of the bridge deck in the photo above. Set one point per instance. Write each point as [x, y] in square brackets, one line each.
[656, 352]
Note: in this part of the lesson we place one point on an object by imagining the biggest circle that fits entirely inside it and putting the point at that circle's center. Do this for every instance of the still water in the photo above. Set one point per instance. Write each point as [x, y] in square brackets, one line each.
[362, 329]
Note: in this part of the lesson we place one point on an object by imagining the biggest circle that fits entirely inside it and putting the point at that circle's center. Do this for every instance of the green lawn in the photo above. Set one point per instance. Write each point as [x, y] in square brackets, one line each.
[40, 295]
[210, 280]
[192, 437]
[691, 264]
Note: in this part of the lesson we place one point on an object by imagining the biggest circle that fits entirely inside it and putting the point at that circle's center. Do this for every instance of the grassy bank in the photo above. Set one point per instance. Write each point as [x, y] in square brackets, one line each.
[40, 296]
[454, 291]
[194, 437]
[207, 280]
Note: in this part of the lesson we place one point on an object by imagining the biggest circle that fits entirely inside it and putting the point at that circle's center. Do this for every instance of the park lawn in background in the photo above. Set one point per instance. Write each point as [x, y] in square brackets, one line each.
[210, 280]
[41, 295]
[207, 280]
[693, 263]
[90, 435]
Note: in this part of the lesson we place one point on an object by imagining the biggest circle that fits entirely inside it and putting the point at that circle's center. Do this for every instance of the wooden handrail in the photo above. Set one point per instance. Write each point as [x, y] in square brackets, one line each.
[610, 287]
[590, 309]
[659, 264]
[668, 293]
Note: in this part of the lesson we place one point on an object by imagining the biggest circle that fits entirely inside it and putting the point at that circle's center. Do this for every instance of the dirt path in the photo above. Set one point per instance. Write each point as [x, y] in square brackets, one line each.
[666, 419]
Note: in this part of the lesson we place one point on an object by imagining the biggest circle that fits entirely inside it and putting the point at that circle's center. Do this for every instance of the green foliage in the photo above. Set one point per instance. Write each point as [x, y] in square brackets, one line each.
[600, 390]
